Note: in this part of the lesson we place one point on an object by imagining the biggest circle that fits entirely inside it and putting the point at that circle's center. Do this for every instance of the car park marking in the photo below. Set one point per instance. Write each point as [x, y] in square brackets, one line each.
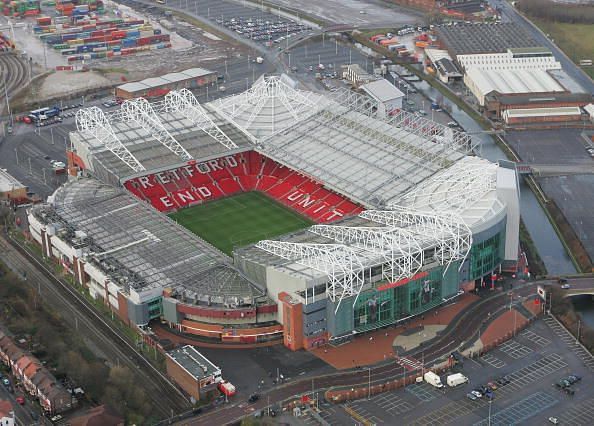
[392, 403]
[364, 413]
[518, 380]
[586, 357]
[520, 411]
[493, 361]
[579, 414]
[535, 338]
[514, 349]
[423, 391]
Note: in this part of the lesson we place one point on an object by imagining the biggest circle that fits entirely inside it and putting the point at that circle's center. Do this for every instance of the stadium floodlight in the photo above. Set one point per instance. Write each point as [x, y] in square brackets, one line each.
[343, 266]
[141, 111]
[448, 234]
[93, 121]
[400, 250]
[184, 102]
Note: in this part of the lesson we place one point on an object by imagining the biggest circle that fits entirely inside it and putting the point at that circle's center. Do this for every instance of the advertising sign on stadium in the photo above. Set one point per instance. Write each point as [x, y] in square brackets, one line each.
[403, 281]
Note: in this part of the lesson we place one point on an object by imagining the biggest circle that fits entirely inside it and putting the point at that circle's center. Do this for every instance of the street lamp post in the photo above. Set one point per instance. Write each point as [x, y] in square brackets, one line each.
[490, 402]
[369, 385]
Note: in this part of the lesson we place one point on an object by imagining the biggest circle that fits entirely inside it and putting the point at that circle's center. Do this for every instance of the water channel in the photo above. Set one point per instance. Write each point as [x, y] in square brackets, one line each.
[547, 242]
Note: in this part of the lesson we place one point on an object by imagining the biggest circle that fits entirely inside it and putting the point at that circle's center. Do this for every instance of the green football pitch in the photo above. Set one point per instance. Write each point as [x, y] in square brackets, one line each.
[240, 220]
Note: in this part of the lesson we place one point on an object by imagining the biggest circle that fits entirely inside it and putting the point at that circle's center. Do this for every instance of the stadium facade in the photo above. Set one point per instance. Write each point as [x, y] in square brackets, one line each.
[406, 216]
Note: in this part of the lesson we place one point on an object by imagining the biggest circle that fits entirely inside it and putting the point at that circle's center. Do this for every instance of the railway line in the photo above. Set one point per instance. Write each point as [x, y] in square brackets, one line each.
[166, 397]
[14, 73]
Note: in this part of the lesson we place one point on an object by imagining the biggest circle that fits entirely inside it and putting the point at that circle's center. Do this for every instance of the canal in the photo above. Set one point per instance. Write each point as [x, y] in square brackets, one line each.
[545, 238]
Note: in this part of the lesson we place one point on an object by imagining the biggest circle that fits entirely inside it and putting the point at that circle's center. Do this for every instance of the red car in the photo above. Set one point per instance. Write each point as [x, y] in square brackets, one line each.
[20, 400]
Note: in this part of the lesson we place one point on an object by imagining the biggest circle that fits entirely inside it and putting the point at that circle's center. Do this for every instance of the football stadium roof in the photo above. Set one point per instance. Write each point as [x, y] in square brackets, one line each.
[336, 140]
[422, 189]
[140, 247]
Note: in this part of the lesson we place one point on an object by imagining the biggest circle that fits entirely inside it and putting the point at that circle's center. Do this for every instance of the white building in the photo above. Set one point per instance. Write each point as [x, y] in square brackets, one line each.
[513, 59]
[388, 96]
[481, 82]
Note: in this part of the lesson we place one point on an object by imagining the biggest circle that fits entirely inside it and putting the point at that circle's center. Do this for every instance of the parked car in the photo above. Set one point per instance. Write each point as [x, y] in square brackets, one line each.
[492, 386]
[476, 393]
[253, 398]
[471, 396]
[20, 400]
[565, 286]
[5, 381]
[573, 379]
[554, 420]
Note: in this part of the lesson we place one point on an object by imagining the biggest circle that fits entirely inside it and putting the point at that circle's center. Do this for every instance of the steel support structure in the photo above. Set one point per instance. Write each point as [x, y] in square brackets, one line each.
[249, 110]
[185, 103]
[342, 264]
[400, 250]
[454, 189]
[141, 111]
[93, 121]
[448, 234]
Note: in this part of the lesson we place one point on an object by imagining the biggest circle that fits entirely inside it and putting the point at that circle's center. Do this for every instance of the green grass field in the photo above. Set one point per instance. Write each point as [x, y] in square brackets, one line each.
[240, 220]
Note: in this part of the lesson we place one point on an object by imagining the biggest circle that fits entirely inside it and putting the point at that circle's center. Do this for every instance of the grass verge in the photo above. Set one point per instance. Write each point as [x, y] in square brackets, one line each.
[576, 40]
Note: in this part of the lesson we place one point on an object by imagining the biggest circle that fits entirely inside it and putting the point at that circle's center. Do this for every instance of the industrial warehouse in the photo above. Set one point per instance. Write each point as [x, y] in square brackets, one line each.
[406, 218]
[513, 79]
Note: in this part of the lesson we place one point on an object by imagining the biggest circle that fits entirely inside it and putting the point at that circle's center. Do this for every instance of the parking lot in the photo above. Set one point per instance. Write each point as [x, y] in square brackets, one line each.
[533, 362]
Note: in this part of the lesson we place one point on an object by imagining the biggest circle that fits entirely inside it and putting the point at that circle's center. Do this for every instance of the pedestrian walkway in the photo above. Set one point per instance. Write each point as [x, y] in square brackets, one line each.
[376, 346]
[409, 363]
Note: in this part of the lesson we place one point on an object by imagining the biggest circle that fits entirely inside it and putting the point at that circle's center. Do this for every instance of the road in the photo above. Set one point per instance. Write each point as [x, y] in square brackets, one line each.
[86, 321]
[509, 14]
[463, 329]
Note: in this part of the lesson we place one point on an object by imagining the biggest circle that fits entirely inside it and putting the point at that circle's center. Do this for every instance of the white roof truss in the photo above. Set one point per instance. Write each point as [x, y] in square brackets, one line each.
[142, 112]
[93, 121]
[399, 248]
[184, 102]
[449, 234]
[343, 266]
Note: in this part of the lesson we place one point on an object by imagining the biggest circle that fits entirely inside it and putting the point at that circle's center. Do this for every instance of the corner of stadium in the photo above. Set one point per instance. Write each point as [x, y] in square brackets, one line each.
[356, 221]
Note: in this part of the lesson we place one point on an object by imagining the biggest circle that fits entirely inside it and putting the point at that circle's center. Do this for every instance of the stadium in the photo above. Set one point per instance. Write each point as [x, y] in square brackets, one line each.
[276, 213]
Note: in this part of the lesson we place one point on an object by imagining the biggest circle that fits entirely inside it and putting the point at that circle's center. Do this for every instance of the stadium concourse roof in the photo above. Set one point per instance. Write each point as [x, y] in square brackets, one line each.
[139, 247]
[337, 140]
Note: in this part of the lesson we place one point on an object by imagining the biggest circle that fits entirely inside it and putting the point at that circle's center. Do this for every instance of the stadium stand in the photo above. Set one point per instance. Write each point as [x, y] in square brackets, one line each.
[248, 171]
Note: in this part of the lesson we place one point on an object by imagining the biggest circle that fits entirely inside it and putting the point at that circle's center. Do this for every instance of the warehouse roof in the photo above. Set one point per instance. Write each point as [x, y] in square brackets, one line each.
[173, 77]
[513, 81]
[483, 38]
[541, 112]
[8, 182]
[524, 98]
[382, 90]
[196, 72]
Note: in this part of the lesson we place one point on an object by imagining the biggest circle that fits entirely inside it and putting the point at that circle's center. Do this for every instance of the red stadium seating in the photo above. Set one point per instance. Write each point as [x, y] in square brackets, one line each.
[248, 171]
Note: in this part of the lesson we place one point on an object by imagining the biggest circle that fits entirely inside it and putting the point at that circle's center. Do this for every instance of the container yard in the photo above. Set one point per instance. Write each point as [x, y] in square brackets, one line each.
[21, 8]
[81, 34]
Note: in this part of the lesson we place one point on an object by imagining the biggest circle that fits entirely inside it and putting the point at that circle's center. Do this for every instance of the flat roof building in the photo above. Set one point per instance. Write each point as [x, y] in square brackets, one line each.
[388, 96]
[192, 371]
[11, 188]
[160, 86]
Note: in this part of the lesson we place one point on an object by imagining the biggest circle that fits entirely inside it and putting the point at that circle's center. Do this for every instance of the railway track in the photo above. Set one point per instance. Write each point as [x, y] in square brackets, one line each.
[14, 73]
[167, 399]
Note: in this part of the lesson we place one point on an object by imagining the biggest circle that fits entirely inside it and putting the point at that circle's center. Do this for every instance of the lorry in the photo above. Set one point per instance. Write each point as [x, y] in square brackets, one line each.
[259, 60]
[454, 380]
[433, 379]
[226, 388]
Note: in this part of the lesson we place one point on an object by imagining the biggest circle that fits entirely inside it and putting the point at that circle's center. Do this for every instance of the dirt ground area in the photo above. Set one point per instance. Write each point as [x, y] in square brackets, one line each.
[191, 47]
[371, 348]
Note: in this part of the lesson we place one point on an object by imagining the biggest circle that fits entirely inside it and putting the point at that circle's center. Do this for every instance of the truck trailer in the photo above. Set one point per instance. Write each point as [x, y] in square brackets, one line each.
[456, 379]
[433, 379]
